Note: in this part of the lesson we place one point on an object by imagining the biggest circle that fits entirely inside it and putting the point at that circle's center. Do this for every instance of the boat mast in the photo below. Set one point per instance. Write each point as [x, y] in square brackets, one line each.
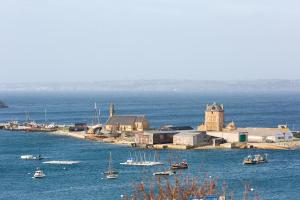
[45, 116]
[99, 116]
[110, 163]
[95, 115]
[141, 159]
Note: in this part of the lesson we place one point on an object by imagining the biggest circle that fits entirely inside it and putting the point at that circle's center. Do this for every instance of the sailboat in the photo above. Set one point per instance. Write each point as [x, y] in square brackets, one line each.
[111, 174]
[48, 127]
[96, 123]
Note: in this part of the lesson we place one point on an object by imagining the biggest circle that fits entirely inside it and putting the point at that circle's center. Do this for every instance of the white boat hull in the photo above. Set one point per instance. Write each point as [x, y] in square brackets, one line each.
[142, 163]
[30, 157]
[112, 176]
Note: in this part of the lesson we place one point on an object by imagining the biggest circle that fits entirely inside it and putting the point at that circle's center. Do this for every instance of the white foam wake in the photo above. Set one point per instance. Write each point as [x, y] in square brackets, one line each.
[61, 162]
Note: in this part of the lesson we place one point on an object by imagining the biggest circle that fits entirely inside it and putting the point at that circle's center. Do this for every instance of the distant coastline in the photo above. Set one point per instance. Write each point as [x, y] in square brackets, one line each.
[273, 85]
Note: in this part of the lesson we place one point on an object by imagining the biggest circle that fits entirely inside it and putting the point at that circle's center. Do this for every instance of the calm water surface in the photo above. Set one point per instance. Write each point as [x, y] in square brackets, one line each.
[279, 179]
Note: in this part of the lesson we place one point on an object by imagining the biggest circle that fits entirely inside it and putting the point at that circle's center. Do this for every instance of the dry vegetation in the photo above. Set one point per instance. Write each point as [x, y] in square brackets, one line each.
[182, 188]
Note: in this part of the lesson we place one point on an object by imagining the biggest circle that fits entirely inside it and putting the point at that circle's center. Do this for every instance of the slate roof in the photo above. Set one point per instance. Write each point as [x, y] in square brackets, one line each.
[215, 107]
[124, 120]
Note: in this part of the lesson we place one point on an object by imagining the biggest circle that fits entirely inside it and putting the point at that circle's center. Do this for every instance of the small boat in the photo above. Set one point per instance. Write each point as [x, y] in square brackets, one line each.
[181, 165]
[165, 173]
[111, 174]
[261, 158]
[256, 159]
[31, 157]
[249, 160]
[38, 173]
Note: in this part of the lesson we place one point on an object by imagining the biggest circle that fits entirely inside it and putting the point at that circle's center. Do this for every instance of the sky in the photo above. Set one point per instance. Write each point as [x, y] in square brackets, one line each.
[94, 40]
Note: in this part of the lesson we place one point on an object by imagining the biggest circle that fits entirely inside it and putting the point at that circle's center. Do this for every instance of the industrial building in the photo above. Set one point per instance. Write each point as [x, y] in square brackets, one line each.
[191, 138]
[155, 137]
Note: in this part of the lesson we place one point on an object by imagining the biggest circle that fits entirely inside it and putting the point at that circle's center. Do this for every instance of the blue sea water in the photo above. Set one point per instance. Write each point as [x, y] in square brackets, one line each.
[278, 179]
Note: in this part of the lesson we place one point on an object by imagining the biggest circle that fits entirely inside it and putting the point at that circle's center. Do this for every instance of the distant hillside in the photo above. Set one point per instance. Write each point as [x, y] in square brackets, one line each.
[159, 85]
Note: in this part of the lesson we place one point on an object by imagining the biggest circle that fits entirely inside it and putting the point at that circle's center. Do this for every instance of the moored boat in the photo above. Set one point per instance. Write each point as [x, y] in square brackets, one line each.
[165, 173]
[249, 160]
[38, 173]
[261, 158]
[31, 157]
[111, 174]
[256, 159]
[181, 165]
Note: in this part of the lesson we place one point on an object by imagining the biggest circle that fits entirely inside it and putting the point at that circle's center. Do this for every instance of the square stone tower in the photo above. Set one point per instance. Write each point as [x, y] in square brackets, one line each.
[214, 117]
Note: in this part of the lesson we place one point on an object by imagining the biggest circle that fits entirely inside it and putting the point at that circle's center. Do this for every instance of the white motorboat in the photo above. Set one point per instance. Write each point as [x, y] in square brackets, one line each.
[38, 173]
[31, 157]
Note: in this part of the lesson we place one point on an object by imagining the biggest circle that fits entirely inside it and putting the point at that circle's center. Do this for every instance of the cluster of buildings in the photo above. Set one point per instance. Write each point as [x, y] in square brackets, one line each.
[212, 131]
[214, 126]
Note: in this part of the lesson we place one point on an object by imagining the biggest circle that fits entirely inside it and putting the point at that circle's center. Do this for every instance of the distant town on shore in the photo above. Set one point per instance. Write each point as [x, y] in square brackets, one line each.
[135, 131]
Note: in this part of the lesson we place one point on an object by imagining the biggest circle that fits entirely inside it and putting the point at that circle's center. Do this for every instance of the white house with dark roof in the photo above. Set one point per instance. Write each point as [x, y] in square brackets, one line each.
[126, 123]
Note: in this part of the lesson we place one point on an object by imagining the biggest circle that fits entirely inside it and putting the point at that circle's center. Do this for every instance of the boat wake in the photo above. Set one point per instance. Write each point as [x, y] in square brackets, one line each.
[61, 162]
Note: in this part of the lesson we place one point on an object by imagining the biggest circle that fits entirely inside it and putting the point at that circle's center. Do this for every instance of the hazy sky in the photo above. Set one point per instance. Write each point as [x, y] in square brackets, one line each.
[72, 40]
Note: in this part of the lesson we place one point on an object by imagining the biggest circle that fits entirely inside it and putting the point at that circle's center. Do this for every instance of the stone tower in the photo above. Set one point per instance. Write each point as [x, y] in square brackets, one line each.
[214, 117]
[111, 110]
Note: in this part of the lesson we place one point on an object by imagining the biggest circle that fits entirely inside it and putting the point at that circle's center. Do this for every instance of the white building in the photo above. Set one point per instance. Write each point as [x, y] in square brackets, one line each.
[230, 136]
[280, 134]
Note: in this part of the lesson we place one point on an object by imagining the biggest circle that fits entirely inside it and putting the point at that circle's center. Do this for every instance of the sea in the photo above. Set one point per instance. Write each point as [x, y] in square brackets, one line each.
[277, 179]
